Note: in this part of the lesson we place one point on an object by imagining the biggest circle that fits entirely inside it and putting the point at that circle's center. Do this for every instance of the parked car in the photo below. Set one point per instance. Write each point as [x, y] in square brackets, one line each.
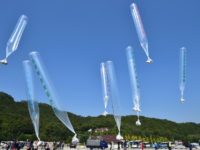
[195, 145]
[163, 145]
[179, 147]
[147, 145]
[96, 144]
[134, 144]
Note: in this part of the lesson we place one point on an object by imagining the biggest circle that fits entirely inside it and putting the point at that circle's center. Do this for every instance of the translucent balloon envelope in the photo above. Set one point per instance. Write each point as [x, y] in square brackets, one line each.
[140, 30]
[134, 81]
[14, 40]
[50, 91]
[32, 103]
[105, 86]
[114, 94]
[183, 51]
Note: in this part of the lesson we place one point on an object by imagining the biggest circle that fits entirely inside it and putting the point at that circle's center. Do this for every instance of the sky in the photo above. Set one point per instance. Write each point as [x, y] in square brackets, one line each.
[74, 36]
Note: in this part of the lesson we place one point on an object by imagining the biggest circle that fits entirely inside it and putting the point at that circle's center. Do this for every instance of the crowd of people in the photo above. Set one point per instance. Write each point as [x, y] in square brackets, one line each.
[32, 145]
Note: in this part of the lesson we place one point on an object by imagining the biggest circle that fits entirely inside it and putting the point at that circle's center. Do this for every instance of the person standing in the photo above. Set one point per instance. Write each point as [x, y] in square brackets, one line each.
[169, 146]
[155, 146]
[125, 145]
[35, 147]
[142, 146]
[190, 146]
[118, 143]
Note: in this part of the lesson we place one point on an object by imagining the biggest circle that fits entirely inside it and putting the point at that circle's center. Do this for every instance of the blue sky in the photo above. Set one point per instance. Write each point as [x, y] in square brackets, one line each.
[75, 36]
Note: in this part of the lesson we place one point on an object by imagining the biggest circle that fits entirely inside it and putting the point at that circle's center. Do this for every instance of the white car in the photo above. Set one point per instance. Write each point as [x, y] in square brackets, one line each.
[179, 147]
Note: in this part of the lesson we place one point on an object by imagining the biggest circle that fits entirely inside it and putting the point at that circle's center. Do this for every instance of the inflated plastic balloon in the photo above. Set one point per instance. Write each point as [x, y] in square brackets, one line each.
[183, 51]
[114, 95]
[140, 30]
[50, 91]
[105, 86]
[134, 81]
[32, 103]
[14, 40]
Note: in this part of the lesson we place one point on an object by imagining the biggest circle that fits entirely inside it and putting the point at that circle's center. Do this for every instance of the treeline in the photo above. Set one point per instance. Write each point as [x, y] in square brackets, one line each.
[15, 123]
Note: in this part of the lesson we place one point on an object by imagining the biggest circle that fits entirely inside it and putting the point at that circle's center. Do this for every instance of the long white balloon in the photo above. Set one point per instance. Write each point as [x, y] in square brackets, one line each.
[14, 40]
[183, 51]
[50, 91]
[140, 30]
[134, 81]
[114, 96]
[104, 79]
[32, 103]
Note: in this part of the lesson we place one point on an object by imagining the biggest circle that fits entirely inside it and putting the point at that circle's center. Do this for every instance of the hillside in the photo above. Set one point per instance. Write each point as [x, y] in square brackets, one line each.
[15, 123]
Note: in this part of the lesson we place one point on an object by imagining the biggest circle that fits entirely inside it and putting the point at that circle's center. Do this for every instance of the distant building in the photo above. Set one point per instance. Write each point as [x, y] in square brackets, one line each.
[101, 130]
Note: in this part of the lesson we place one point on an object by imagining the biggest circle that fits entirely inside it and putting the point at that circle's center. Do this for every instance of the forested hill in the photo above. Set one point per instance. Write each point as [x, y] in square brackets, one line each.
[15, 123]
